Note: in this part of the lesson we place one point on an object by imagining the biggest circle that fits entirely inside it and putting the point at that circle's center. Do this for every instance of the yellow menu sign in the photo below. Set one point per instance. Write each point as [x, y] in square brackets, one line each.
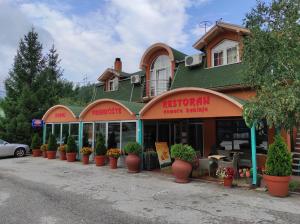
[163, 153]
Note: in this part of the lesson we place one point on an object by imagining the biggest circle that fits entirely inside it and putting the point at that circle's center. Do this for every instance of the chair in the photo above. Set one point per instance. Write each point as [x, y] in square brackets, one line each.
[224, 153]
[205, 164]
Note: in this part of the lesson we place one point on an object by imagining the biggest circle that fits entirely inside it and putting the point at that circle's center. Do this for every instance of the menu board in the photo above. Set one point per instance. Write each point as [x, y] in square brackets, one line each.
[163, 153]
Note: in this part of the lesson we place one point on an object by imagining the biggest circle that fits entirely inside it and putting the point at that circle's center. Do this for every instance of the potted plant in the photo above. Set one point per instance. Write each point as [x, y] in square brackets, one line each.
[52, 147]
[278, 168]
[100, 151]
[35, 145]
[226, 174]
[113, 155]
[86, 152]
[184, 156]
[71, 149]
[62, 152]
[133, 159]
[44, 149]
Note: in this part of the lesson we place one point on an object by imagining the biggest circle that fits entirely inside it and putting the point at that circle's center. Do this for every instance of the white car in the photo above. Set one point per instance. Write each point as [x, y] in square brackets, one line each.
[13, 149]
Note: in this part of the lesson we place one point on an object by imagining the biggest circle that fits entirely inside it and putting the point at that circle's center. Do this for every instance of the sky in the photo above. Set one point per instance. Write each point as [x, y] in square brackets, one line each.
[90, 34]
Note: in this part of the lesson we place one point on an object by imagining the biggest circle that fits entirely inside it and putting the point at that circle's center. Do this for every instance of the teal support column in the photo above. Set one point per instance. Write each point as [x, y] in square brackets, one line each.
[80, 136]
[253, 150]
[140, 139]
[44, 134]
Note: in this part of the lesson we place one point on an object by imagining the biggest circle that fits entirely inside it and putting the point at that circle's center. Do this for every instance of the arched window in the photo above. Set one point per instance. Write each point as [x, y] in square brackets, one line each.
[160, 73]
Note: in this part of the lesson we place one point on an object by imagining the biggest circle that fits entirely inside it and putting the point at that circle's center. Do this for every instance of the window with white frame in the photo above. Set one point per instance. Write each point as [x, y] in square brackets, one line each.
[160, 73]
[113, 84]
[218, 58]
[227, 52]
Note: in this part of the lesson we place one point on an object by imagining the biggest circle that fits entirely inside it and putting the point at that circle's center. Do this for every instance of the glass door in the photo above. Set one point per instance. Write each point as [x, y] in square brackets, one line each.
[195, 137]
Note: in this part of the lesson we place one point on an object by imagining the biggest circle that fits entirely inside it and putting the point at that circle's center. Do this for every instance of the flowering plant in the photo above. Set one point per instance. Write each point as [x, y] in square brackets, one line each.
[245, 172]
[227, 172]
[44, 147]
[61, 148]
[86, 150]
[114, 152]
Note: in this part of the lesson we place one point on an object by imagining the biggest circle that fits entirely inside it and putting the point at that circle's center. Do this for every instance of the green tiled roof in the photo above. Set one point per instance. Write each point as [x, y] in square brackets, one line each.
[126, 92]
[134, 107]
[75, 109]
[218, 77]
[178, 55]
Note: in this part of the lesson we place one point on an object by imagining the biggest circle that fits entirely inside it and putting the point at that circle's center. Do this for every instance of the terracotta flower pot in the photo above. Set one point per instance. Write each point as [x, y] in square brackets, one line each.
[228, 182]
[277, 186]
[85, 159]
[62, 155]
[100, 160]
[51, 154]
[133, 163]
[44, 153]
[36, 152]
[181, 171]
[113, 162]
[71, 156]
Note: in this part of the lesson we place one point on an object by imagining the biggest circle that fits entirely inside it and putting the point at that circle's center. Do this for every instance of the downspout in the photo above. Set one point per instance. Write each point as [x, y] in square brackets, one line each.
[253, 151]
[140, 138]
[80, 139]
[44, 133]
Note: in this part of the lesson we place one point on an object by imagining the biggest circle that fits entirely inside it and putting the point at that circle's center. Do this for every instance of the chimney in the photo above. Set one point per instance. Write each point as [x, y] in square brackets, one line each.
[118, 65]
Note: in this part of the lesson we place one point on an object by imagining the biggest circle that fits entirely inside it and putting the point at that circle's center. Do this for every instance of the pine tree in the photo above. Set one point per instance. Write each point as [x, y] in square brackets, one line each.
[34, 85]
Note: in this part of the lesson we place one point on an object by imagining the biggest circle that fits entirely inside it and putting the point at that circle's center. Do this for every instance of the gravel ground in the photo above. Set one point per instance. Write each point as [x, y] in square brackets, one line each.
[37, 190]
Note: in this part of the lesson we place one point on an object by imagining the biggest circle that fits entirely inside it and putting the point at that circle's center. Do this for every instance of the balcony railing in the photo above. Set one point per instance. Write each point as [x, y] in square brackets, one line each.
[156, 87]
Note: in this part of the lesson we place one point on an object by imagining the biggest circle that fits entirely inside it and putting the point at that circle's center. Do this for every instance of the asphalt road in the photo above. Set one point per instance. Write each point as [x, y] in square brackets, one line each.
[42, 191]
[25, 202]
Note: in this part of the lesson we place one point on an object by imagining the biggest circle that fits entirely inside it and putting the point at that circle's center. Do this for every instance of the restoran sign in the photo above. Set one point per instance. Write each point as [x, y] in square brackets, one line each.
[197, 104]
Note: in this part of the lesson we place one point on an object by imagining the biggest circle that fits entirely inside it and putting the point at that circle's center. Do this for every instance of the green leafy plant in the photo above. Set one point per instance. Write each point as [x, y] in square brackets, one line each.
[183, 152]
[71, 145]
[279, 160]
[294, 185]
[52, 146]
[66, 138]
[133, 148]
[100, 149]
[36, 141]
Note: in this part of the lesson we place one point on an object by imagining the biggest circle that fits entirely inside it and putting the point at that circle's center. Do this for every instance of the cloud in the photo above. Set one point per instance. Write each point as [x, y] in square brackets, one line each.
[89, 42]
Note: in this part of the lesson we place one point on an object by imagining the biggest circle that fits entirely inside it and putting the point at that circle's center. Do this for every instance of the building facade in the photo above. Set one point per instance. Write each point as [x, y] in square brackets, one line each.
[173, 98]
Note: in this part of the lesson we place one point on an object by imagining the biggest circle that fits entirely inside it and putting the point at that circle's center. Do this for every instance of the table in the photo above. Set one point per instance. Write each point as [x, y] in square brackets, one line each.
[217, 157]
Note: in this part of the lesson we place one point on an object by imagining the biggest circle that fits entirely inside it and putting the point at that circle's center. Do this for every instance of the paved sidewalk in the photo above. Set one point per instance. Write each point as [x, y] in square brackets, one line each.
[156, 196]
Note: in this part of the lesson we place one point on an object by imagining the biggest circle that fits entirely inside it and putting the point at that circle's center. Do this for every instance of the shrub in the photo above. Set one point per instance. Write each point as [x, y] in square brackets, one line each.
[294, 185]
[71, 145]
[52, 146]
[100, 149]
[36, 141]
[133, 147]
[279, 160]
[183, 152]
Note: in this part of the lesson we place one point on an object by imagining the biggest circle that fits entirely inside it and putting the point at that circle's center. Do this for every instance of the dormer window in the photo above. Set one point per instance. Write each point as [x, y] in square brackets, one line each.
[160, 73]
[225, 53]
[113, 84]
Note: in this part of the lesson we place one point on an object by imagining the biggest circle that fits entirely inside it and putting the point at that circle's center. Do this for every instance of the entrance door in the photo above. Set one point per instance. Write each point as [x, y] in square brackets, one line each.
[195, 137]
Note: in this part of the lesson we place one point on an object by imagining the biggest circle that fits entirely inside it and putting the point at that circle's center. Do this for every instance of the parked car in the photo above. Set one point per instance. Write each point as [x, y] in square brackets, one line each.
[13, 149]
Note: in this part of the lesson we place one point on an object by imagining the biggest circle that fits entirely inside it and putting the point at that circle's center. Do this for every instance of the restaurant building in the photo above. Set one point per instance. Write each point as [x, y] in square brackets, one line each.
[173, 98]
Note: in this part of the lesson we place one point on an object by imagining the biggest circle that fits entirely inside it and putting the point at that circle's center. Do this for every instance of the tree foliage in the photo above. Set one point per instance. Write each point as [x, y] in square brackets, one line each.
[272, 65]
[100, 149]
[34, 85]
